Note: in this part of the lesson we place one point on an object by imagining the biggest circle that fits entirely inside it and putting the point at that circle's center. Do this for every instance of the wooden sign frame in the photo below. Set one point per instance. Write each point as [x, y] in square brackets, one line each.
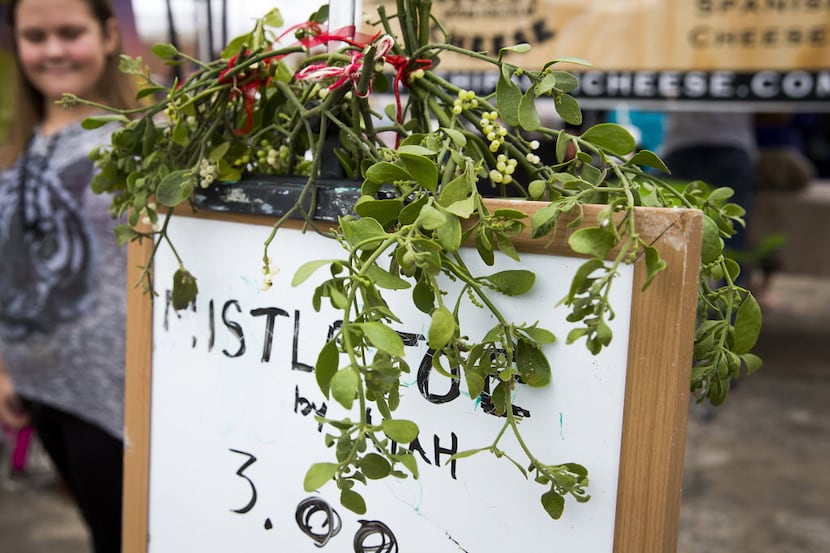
[659, 362]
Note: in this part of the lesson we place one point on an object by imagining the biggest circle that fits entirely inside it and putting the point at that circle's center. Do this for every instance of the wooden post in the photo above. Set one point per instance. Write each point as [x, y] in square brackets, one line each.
[137, 387]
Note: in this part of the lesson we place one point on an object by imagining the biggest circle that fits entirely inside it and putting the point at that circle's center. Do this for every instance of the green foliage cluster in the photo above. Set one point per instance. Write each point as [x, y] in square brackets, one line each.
[258, 110]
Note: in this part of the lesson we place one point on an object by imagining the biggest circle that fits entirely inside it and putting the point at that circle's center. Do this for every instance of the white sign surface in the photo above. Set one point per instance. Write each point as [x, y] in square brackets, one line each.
[233, 404]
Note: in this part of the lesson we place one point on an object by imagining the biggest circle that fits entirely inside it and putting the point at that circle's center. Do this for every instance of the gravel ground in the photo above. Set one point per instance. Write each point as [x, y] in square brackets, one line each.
[756, 477]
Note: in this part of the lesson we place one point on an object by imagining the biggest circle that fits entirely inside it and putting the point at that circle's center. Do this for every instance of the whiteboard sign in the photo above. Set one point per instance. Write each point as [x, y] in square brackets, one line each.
[233, 404]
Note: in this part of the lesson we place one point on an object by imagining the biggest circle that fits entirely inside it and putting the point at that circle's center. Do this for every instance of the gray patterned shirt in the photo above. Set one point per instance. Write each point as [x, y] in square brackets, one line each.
[76, 364]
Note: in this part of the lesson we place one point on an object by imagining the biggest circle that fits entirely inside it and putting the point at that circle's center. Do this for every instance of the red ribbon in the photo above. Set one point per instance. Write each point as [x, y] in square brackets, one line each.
[314, 35]
[404, 68]
[248, 89]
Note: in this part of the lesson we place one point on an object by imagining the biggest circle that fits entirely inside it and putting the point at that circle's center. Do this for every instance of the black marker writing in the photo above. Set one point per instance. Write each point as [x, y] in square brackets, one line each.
[424, 371]
[296, 365]
[251, 460]
[487, 402]
[416, 446]
[330, 522]
[211, 325]
[305, 407]
[374, 536]
[234, 327]
[271, 314]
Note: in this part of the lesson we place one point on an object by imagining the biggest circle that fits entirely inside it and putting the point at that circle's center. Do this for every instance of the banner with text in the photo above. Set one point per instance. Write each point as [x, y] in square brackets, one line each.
[725, 50]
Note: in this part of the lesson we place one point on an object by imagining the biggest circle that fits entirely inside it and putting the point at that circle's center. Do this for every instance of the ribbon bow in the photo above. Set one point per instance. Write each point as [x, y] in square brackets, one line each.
[348, 72]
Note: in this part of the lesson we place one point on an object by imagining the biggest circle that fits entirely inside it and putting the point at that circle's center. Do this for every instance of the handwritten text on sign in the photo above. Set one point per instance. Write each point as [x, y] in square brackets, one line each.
[234, 399]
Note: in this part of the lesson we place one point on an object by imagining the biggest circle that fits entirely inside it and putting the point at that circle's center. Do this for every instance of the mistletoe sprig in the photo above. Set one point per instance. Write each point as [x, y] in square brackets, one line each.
[270, 107]
[396, 245]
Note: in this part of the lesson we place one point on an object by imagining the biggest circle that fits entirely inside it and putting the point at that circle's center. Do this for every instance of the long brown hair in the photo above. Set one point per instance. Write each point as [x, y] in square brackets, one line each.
[28, 105]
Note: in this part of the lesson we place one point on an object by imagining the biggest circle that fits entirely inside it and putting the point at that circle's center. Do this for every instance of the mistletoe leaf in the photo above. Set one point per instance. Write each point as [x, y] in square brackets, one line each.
[327, 365]
[408, 460]
[219, 151]
[384, 211]
[747, 326]
[566, 82]
[273, 18]
[344, 386]
[353, 501]
[507, 213]
[181, 133]
[553, 503]
[520, 48]
[382, 337]
[401, 430]
[227, 173]
[528, 116]
[568, 59]
[568, 109]
[712, 245]
[175, 187]
[500, 398]
[463, 208]
[547, 84]
[449, 234]
[475, 383]
[235, 45]
[544, 221]
[96, 121]
[411, 211]
[576, 333]
[415, 150]
[468, 453]
[752, 361]
[164, 51]
[654, 264]
[612, 137]
[456, 190]
[484, 246]
[532, 364]
[593, 241]
[321, 15]
[307, 269]
[125, 233]
[508, 97]
[540, 335]
[506, 246]
[601, 338]
[647, 158]
[362, 233]
[374, 466]
[184, 289]
[384, 279]
[384, 172]
[423, 296]
[422, 169]
[318, 475]
[581, 282]
[512, 282]
[456, 136]
[442, 328]
[431, 218]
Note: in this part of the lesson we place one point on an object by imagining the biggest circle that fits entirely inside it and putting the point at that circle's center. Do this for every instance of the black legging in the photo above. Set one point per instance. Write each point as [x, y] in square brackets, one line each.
[91, 462]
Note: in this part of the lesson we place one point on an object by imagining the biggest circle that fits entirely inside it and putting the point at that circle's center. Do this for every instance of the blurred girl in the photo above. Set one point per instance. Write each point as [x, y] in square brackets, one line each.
[62, 276]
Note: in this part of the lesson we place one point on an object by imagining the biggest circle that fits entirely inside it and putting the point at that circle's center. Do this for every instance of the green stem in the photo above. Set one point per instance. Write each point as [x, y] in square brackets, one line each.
[71, 98]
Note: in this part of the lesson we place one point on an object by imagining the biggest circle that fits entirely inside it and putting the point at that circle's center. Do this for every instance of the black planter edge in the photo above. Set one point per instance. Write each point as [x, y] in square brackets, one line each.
[275, 195]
